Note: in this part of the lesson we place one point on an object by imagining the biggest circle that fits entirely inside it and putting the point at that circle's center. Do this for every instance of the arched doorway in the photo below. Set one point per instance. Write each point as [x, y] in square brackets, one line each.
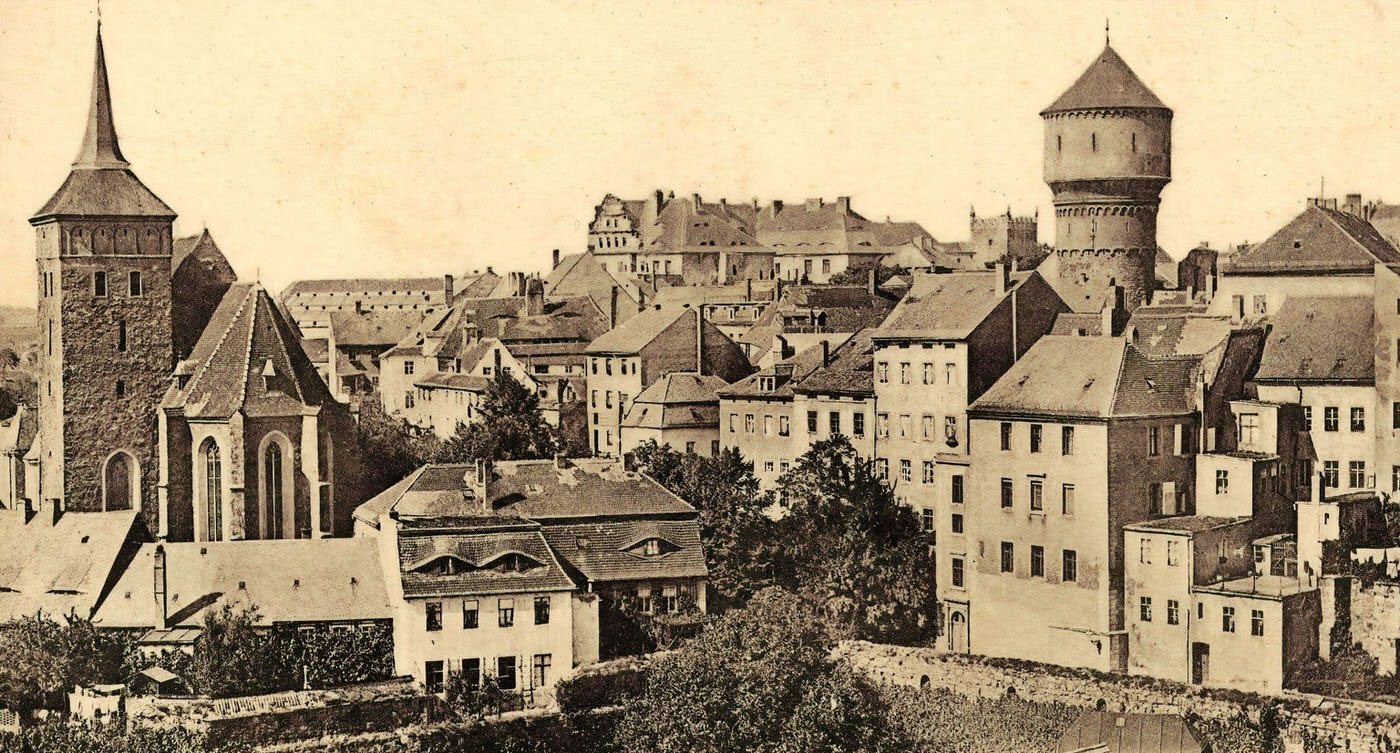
[121, 482]
[957, 633]
[209, 491]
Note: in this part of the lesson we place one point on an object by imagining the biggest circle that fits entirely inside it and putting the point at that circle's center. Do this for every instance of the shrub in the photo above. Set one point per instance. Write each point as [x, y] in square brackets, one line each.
[603, 686]
[61, 737]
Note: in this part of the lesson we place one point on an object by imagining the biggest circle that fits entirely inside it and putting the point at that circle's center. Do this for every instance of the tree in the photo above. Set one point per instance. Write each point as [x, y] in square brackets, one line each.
[861, 275]
[758, 680]
[233, 656]
[854, 550]
[392, 447]
[42, 658]
[9, 359]
[510, 427]
[740, 546]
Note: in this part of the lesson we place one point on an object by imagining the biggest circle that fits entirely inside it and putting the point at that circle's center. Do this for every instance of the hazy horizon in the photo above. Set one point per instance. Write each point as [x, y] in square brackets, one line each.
[374, 139]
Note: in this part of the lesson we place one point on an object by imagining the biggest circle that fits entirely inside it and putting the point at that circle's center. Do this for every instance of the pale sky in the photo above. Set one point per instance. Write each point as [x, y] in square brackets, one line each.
[329, 139]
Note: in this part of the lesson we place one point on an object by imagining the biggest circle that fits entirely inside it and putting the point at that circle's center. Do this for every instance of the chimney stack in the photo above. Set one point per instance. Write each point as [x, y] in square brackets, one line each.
[554, 262]
[481, 483]
[162, 586]
[612, 307]
[826, 353]
[999, 272]
[534, 297]
[447, 288]
[748, 289]
[700, 339]
[870, 282]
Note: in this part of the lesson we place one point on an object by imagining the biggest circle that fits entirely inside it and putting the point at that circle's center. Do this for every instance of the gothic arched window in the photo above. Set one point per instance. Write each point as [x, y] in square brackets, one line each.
[212, 491]
[273, 502]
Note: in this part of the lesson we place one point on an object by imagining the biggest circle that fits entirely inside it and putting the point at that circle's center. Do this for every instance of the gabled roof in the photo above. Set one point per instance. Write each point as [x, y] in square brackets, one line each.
[63, 567]
[946, 306]
[101, 183]
[227, 368]
[375, 328]
[1092, 377]
[791, 370]
[1108, 83]
[675, 400]
[475, 553]
[600, 551]
[288, 580]
[679, 387]
[850, 369]
[1318, 240]
[1321, 340]
[637, 332]
[365, 285]
[1128, 733]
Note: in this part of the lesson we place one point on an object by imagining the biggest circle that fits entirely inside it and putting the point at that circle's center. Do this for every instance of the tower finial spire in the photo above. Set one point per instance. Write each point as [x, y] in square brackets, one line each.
[1105, 32]
[100, 148]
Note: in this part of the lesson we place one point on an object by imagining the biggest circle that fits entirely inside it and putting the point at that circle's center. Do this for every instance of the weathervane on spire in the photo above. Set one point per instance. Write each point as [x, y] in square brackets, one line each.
[1105, 32]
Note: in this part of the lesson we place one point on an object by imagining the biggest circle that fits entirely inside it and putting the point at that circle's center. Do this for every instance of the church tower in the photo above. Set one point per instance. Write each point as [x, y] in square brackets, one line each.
[104, 251]
[1108, 146]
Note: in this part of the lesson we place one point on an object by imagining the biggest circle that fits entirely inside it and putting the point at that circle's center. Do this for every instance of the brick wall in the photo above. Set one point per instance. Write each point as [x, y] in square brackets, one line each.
[1308, 723]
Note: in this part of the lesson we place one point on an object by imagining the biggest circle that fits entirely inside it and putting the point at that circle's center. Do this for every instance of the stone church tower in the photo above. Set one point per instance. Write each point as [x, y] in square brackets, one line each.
[104, 253]
[1107, 158]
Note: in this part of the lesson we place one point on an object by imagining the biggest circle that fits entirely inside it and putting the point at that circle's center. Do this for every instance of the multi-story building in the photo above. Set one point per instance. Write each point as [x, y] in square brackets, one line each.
[634, 355]
[1107, 159]
[805, 315]
[679, 410]
[838, 396]
[1081, 437]
[945, 344]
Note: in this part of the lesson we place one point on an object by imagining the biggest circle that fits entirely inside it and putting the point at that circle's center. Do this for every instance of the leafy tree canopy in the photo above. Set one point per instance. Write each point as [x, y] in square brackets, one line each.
[42, 658]
[393, 447]
[510, 427]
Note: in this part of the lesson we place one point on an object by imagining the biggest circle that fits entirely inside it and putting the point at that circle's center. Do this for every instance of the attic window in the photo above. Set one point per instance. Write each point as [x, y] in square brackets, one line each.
[652, 547]
[268, 373]
[1297, 243]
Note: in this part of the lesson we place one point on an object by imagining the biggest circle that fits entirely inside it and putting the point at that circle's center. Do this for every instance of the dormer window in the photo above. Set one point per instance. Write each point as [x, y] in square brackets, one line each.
[653, 546]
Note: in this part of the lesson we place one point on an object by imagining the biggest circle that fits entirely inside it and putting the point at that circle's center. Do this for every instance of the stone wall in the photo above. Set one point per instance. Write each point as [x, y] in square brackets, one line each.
[1308, 724]
[1369, 615]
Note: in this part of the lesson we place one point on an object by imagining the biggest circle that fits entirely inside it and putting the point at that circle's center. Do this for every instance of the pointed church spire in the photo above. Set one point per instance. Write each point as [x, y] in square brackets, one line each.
[100, 148]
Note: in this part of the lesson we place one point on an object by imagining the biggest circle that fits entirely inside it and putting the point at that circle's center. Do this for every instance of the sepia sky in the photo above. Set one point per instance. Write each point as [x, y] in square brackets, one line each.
[322, 138]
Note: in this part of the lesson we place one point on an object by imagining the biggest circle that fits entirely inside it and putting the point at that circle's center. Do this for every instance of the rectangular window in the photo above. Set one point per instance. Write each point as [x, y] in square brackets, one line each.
[957, 526]
[1356, 474]
[1222, 482]
[408, 370]
[811, 422]
[748, 423]
[1307, 417]
[1008, 556]
[1035, 437]
[505, 612]
[882, 425]
[926, 520]
[433, 676]
[906, 425]
[1145, 550]
[99, 284]
[857, 424]
[1249, 428]
[906, 471]
[1227, 619]
[950, 373]
[833, 422]
[1173, 553]
[1145, 608]
[1069, 567]
[1256, 622]
[1261, 304]
[1173, 612]
[471, 668]
[956, 484]
[783, 429]
[1395, 478]
[433, 612]
[767, 466]
[1358, 419]
[768, 424]
[1395, 415]
[1330, 418]
[733, 421]
[1332, 473]
[1153, 438]
[1067, 499]
[927, 425]
[904, 373]
[539, 670]
[882, 373]
[1007, 494]
[121, 388]
[1037, 495]
[134, 284]
[1005, 436]
[1037, 561]
[950, 430]
[541, 610]
[470, 614]
[882, 467]
[928, 373]
[928, 472]
[408, 399]
[1154, 498]
[505, 673]
[957, 574]
[1067, 440]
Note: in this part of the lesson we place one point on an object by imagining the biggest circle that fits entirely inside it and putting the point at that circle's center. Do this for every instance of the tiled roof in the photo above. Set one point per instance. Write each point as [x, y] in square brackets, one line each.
[1070, 323]
[1187, 523]
[246, 334]
[675, 400]
[1108, 82]
[1317, 240]
[1096, 377]
[375, 328]
[107, 192]
[635, 333]
[850, 370]
[194, 245]
[840, 308]
[366, 285]
[450, 381]
[476, 551]
[599, 550]
[1321, 340]
[713, 294]
[1128, 733]
[943, 306]
[60, 568]
[288, 580]
[1181, 335]
[791, 369]
[682, 387]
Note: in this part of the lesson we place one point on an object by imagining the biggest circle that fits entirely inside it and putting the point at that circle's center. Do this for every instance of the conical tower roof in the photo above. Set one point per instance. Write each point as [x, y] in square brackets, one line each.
[101, 182]
[1107, 83]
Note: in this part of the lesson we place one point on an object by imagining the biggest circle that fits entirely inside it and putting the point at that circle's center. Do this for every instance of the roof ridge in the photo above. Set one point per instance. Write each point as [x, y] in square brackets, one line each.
[248, 349]
[1332, 216]
[233, 320]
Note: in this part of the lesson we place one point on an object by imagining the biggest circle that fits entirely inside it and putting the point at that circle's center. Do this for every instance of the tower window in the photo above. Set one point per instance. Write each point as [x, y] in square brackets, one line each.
[1135, 142]
[99, 284]
[1059, 143]
[121, 337]
[134, 283]
[121, 388]
[1094, 141]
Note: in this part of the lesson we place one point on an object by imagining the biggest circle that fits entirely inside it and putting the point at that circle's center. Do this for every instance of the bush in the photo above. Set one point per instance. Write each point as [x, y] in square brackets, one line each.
[61, 737]
[333, 658]
[602, 686]
[42, 658]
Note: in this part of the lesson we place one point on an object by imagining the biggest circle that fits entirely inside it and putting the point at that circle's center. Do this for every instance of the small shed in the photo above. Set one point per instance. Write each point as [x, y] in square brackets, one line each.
[158, 681]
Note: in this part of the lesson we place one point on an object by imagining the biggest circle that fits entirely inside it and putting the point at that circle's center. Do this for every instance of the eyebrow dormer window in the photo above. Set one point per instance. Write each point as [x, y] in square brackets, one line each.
[651, 547]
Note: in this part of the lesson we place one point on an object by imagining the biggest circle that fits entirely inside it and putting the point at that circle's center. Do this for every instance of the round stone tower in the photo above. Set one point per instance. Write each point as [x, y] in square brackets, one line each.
[1108, 146]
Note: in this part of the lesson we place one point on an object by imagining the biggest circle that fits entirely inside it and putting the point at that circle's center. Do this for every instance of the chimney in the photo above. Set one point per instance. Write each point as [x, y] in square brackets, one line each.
[612, 307]
[554, 261]
[1319, 488]
[161, 586]
[999, 272]
[843, 204]
[870, 282]
[826, 353]
[534, 297]
[700, 339]
[481, 482]
[814, 204]
[561, 461]
[748, 289]
[447, 288]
